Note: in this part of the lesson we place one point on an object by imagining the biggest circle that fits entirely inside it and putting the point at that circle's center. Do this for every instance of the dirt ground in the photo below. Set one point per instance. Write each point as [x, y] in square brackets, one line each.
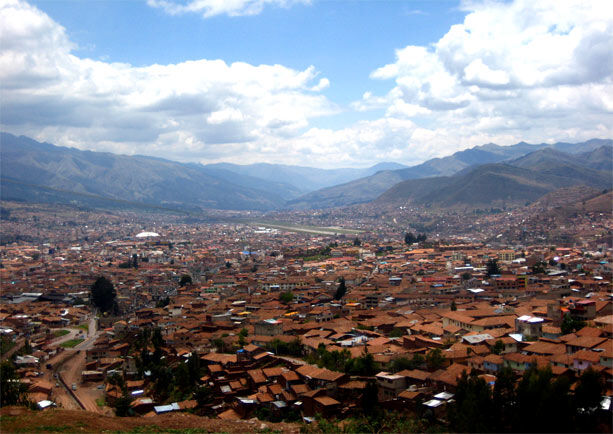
[20, 419]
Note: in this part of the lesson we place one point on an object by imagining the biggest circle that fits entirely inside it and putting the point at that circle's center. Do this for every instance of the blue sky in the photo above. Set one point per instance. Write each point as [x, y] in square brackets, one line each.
[321, 83]
[344, 40]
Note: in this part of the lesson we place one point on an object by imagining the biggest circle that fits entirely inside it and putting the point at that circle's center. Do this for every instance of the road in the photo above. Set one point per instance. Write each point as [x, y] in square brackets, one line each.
[70, 363]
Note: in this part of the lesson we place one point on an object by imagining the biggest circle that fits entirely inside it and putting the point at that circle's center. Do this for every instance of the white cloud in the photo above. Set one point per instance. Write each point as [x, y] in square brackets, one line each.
[534, 71]
[526, 70]
[189, 110]
[210, 8]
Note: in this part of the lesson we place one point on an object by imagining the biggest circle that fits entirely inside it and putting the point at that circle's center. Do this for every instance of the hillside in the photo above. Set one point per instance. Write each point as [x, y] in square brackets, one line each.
[368, 188]
[525, 179]
[20, 419]
[51, 173]
[303, 179]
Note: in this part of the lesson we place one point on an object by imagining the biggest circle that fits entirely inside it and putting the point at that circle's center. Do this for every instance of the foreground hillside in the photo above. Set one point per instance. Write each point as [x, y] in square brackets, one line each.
[20, 419]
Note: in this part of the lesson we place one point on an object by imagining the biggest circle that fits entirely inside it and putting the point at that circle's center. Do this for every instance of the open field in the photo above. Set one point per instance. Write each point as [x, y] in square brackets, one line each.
[332, 230]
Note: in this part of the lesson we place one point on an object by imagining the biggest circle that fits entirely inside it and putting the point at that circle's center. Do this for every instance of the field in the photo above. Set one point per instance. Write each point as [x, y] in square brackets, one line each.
[71, 343]
[321, 230]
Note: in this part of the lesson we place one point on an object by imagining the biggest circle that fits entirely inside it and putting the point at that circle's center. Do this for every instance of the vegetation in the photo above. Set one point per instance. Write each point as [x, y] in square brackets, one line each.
[341, 290]
[402, 363]
[286, 297]
[410, 238]
[12, 391]
[162, 302]
[71, 343]
[6, 344]
[434, 359]
[570, 325]
[103, 295]
[186, 279]
[342, 361]
[539, 403]
[492, 267]
[60, 333]
[293, 348]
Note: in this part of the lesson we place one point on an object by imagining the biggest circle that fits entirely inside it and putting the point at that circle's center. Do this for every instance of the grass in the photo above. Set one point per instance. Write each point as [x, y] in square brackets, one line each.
[60, 333]
[84, 327]
[100, 402]
[71, 343]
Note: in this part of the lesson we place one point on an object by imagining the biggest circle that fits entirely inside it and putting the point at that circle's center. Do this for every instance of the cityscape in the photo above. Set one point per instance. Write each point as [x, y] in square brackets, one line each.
[225, 217]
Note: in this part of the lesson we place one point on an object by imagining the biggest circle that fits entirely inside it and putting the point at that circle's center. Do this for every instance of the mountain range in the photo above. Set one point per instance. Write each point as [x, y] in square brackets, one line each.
[42, 172]
[369, 188]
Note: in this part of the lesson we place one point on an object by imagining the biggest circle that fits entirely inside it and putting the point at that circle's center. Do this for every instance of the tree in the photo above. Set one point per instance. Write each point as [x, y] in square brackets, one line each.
[341, 290]
[472, 409]
[12, 390]
[103, 295]
[539, 268]
[492, 267]
[588, 395]
[135, 260]
[453, 306]
[357, 242]
[242, 337]
[410, 238]
[569, 324]
[122, 406]
[434, 359]
[204, 396]
[186, 279]
[498, 347]
[504, 399]
[286, 297]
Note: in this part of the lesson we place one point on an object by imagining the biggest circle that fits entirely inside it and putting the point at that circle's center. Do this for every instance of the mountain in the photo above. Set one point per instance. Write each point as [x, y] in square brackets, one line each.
[513, 182]
[32, 170]
[304, 179]
[366, 189]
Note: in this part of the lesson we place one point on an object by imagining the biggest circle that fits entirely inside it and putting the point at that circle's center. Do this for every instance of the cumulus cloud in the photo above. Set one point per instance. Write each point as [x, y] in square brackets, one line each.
[511, 71]
[525, 70]
[210, 8]
[186, 110]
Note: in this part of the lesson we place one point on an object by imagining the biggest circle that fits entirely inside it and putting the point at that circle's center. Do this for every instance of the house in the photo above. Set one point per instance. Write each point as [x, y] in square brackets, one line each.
[389, 385]
[268, 327]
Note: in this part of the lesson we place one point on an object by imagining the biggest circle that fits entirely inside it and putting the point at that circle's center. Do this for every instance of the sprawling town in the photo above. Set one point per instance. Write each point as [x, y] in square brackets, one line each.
[141, 314]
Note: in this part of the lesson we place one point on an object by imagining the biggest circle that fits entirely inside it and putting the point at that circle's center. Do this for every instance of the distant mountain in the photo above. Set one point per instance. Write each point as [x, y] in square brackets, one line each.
[304, 179]
[40, 171]
[368, 188]
[514, 182]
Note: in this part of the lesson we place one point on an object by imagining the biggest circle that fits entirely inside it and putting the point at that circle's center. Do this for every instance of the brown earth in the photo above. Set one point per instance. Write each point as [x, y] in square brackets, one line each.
[20, 419]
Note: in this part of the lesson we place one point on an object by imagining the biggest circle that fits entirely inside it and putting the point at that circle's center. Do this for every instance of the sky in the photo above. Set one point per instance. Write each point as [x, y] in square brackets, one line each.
[330, 83]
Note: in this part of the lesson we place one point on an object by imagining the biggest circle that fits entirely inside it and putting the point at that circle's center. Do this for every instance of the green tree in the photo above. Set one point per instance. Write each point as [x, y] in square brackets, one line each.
[357, 242]
[204, 396]
[341, 290]
[286, 297]
[434, 359]
[569, 324]
[242, 337]
[103, 295]
[12, 390]
[472, 410]
[588, 395]
[453, 306]
[123, 406]
[186, 279]
[410, 238]
[504, 399]
[492, 267]
[498, 347]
